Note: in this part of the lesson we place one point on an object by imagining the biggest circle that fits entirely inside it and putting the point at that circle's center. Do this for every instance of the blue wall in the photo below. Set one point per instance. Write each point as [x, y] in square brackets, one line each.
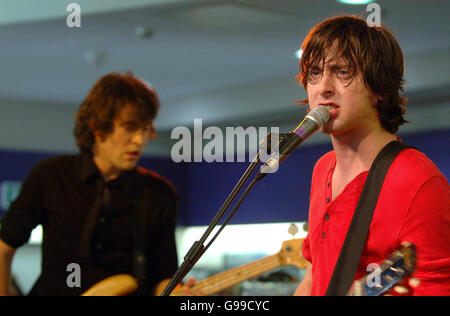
[284, 195]
[279, 197]
[203, 187]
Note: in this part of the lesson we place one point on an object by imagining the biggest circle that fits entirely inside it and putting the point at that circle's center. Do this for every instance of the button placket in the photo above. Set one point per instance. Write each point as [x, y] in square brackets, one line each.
[326, 216]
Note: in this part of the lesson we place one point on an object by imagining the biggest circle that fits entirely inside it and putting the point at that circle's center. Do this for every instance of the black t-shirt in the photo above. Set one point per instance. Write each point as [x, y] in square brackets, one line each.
[61, 192]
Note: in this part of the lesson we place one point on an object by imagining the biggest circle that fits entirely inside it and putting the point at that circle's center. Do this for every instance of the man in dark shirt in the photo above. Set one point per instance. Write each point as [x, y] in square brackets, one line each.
[101, 215]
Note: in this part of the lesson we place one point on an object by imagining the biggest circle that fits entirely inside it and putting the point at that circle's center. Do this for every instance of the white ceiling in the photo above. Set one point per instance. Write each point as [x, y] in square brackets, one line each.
[227, 62]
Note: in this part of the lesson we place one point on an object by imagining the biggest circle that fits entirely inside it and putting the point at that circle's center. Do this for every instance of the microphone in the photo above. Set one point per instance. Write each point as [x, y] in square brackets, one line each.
[311, 123]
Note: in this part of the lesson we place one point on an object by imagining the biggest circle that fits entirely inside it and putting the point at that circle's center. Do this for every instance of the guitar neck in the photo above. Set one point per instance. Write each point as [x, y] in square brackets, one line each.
[224, 280]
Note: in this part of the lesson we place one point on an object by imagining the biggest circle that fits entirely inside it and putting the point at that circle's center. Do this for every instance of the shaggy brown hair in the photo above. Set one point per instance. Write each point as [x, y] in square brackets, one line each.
[371, 50]
[107, 98]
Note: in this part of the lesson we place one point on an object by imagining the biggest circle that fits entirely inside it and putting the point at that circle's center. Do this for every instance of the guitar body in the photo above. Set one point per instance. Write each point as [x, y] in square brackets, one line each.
[392, 278]
[163, 284]
[117, 285]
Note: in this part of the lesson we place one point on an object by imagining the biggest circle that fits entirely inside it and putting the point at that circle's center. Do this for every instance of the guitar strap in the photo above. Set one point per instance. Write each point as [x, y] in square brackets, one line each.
[350, 255]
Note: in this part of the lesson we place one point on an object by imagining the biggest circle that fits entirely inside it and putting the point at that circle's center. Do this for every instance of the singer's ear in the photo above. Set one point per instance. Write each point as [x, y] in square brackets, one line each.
[375, 98]
[152, 131]
[379, 99]
[92, 128]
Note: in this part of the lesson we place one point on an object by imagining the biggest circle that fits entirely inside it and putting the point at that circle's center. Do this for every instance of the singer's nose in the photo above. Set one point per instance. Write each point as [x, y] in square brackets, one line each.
[326, 85]
[140, 137]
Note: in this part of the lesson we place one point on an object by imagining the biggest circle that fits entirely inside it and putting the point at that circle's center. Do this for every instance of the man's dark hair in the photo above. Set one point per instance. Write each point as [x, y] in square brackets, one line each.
[373, 51]
[109, 95]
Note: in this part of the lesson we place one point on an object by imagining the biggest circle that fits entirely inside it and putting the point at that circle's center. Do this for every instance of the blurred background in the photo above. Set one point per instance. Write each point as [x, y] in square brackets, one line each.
[230, 63]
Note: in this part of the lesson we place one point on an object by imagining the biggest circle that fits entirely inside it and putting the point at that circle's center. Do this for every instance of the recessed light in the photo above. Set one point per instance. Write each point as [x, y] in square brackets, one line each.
[95, 57]
[144, 32]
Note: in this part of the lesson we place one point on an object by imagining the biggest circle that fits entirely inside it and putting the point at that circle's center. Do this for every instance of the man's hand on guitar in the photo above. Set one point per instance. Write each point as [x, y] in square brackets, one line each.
[186, 289]
[189, 288]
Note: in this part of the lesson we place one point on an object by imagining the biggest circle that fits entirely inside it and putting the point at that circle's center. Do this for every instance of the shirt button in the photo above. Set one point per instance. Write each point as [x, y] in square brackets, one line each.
[326, 217]
[328, 184]
[323, 235]
[328, 200]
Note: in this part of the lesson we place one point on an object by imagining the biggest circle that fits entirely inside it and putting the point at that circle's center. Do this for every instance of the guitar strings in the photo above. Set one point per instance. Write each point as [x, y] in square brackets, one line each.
[213, 283]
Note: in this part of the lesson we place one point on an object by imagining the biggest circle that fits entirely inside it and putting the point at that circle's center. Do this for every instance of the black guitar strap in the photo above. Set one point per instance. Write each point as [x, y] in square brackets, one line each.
[350, 255]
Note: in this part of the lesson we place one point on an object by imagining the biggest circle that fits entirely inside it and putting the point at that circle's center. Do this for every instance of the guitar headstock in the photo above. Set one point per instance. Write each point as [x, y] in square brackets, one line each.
[291, 253]
[393, 271]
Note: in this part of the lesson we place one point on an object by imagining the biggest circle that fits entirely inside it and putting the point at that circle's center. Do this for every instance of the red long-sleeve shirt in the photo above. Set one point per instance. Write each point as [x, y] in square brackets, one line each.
[413, 206]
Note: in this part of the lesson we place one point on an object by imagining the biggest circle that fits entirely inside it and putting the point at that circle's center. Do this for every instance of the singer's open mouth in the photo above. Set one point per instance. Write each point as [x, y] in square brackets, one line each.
[333, 108]
[133, 155]
[330, 105]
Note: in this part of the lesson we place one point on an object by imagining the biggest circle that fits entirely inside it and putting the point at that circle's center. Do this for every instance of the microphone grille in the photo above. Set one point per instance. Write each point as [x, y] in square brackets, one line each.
[320, 115]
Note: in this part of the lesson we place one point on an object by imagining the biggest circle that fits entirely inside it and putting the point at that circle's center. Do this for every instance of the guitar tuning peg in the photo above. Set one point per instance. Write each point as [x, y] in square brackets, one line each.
[293, 229]
[306, 226]
[402, 290]
[413, 282]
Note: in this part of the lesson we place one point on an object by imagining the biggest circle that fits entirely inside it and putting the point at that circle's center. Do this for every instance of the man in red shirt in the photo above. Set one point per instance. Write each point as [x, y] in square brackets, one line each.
[356, 71]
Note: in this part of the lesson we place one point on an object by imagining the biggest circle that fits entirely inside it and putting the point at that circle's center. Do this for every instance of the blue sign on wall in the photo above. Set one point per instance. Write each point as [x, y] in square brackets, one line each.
[9, 190]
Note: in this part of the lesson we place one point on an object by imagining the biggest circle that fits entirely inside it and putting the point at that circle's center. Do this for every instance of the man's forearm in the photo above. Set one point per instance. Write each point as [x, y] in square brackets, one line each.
[6, 256]
[305, 287]
[5, 274]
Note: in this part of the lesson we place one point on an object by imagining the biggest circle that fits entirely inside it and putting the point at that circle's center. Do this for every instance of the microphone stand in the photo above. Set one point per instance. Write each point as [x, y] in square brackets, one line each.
[198, 248]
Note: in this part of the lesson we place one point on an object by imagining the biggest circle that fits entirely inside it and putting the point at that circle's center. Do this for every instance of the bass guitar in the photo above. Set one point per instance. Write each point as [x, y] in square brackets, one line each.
[290, 254]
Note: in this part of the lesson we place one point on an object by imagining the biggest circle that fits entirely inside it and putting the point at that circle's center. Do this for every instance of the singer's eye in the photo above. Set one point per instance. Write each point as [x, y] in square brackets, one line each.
[314, 75]
[344, 74]
[130, 126]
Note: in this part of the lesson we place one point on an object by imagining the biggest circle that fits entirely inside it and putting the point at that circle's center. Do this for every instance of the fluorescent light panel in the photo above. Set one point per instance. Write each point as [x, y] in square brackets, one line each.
[234, 239]
[355, 2]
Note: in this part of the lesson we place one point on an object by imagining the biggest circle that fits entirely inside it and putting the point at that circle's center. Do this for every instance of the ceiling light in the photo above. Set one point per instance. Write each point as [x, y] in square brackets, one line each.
[355, 1]
[95, 57]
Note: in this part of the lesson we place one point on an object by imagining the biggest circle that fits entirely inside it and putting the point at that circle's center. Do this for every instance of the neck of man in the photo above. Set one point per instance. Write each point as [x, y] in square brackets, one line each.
[108, 171]
[356, 151]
